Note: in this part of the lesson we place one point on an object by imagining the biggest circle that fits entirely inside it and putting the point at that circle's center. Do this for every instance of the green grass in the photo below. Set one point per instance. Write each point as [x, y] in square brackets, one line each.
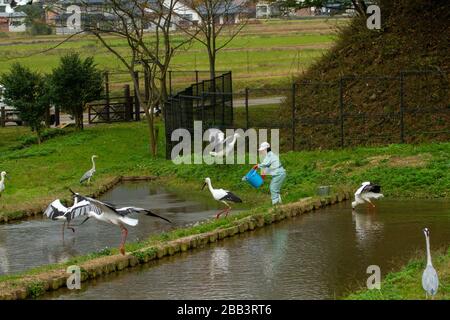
[261, 55]
[40, 174]
[406, 283]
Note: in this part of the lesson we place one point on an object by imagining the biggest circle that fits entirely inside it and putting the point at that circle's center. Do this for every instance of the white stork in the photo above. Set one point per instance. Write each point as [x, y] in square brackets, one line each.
[229, 143]
[430, 280]
[2, 182]
[57, 211]
[222, 196]
[106, 212]
[88, 174]
[366, 192]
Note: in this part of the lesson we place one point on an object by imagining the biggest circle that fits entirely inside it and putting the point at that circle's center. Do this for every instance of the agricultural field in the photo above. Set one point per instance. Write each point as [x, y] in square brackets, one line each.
[266, 54]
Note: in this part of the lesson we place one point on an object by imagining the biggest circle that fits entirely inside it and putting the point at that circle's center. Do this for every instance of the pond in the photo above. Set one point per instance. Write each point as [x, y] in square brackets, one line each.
[321, 255]
[36, 242]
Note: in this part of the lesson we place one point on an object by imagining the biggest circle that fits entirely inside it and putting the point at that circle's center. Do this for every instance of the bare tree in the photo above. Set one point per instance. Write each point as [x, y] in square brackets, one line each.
[217, 18]
[147, 27]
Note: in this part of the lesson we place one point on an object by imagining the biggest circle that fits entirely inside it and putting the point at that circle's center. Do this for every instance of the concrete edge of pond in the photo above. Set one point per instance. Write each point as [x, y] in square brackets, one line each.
[35, 285]
[25, 214]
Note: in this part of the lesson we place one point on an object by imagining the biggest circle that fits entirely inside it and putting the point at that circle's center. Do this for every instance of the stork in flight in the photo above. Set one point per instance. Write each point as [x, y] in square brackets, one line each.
[57, 211]
[88, 174]
[224, 146]
[430, 280]
[101, 211]
[365, 192]
[222, 196]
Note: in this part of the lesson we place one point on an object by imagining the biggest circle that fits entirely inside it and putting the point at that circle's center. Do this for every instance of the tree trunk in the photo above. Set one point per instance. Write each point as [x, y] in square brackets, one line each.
[151, 127]
[212, 65]
[38, 136]
[79, 120]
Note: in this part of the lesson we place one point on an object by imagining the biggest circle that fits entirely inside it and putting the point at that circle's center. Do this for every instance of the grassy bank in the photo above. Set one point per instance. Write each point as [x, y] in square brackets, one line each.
[40, 174]
[406, 283]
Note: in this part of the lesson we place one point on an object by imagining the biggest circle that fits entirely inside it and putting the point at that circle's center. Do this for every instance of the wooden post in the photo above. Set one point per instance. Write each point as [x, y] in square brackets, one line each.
[3, 117]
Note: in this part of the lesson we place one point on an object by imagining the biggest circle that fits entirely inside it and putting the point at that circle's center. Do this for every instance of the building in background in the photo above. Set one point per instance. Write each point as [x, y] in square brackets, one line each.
[11, 20]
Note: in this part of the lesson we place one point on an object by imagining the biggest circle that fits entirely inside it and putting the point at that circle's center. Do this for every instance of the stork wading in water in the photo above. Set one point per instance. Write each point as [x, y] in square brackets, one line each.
[88, 174]
[2, 182]
[105, 212]
[222, 196]
[430, 280]
[366, 192]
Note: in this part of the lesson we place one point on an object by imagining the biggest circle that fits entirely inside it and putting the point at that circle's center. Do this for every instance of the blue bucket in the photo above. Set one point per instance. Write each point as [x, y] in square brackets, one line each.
[254, 178]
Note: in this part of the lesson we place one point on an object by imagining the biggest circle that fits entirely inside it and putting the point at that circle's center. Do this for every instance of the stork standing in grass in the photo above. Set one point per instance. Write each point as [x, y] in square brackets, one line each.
[366, 192]
[88, 174]
[222, 196]
[2, 182]
[430, 280]
[101, 211]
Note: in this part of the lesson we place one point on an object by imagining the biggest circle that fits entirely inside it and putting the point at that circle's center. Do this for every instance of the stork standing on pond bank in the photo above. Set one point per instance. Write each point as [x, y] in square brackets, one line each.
[222, 196]
[88, 174]
[2, 182]
[430, 280]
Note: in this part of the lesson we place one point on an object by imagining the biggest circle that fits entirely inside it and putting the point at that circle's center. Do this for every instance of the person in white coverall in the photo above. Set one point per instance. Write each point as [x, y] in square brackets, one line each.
[272, 166]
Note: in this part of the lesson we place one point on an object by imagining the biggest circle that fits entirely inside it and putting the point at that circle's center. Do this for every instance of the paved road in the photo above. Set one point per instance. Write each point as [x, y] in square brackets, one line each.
[237, 103]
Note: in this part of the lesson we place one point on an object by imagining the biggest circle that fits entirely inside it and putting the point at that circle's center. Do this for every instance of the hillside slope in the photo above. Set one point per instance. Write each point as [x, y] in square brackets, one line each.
[375, 101]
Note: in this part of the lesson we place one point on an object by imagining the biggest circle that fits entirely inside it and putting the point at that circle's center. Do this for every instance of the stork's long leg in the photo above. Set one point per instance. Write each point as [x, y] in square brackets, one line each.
[69, 227]
[227, 209]
[219, 213]
[64, 226]
[124, 238]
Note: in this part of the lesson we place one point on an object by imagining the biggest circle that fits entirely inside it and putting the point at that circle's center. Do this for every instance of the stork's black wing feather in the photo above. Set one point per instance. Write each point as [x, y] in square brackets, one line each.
[231, 197]
[129, 210]
[372, 188]
[52, 212]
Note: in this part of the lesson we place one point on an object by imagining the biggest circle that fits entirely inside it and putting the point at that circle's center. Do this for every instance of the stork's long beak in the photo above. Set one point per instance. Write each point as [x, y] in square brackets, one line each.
[204, 185]
[72, 191]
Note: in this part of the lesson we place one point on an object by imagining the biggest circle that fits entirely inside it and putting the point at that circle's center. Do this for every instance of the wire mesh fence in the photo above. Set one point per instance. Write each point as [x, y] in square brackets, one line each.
[409, 107]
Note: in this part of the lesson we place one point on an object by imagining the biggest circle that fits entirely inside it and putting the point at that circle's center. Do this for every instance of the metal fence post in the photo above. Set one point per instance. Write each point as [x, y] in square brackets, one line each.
[293, 115]
[247, 125]
[402, 124]
[170, 82]
[341, 108]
